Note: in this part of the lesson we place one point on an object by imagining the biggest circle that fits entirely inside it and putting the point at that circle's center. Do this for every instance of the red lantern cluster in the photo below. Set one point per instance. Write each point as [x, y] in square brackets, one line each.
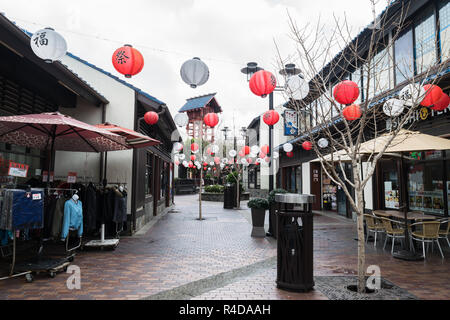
[211, 119]
[442, 104]
[262, 83]
[128, 61]
[271, 117]
[432, 95]
[346, 92]
[151, 117]
[352, 112]
[307, 145]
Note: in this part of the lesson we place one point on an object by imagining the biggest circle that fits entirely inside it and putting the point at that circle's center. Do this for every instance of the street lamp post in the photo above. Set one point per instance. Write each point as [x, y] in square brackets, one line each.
[288, 70]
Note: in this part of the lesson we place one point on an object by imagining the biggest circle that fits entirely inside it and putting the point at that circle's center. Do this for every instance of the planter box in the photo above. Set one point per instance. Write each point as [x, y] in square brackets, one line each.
[210, 196]
[258, 217]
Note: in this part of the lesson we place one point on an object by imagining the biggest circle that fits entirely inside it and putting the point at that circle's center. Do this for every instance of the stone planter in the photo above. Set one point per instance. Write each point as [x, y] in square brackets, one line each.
[258, 217]
[209, 196]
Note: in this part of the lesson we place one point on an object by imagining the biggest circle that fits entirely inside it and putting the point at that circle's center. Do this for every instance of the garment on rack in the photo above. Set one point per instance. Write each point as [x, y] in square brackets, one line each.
[58, 216]
[49, 212]
[22, 209]
[5, 236]
[89, 199]
[73, 218]
[120, 206]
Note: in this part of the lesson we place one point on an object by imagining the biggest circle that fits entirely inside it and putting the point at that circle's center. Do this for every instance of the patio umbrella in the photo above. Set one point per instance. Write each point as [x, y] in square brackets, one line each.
[55, 131]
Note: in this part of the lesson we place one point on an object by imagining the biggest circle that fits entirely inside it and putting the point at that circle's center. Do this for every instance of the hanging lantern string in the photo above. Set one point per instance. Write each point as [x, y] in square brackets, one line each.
[137, 45]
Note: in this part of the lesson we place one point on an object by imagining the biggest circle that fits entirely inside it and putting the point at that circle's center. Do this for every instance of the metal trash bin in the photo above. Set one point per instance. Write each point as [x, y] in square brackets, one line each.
[294, 241]
[229, 197]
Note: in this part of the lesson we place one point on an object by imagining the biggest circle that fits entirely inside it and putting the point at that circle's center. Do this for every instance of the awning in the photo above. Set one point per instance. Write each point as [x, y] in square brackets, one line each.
[405, 141]
[134, 139]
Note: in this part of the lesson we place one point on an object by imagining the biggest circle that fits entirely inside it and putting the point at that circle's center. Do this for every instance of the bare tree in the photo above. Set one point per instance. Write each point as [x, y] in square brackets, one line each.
[327, 55]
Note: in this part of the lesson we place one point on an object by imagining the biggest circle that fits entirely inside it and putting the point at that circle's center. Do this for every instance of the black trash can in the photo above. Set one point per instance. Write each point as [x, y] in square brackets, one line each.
[229, 197]
[294, 241]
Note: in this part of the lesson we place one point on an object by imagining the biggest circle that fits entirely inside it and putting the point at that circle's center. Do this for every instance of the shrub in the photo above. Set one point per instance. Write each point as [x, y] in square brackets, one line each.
[258, 203]
[216, 188]
[232, 177]
[208, 176]
[272, 193]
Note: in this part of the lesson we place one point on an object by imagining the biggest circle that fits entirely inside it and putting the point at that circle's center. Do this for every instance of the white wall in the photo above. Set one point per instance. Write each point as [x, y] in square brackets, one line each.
[119, 111]
[306, 177]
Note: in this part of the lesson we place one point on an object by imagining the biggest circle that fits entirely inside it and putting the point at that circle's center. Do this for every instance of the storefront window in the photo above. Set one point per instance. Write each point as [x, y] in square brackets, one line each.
[404, 55]
[329, 190]
[426, 186]
[298, 178]
[149, 175]
[444, 22]
[23, 156]
[391, 186]
[381, 67]
[425, 38]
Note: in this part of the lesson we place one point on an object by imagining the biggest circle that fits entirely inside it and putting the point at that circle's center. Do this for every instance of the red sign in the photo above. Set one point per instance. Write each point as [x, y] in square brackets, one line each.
[45, 174]
[72, 177]
[18, 169]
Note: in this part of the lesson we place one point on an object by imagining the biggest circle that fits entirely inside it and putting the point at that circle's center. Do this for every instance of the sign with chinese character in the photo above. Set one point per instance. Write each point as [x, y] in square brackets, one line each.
[45, 174]
[72, 177]
[18, 169]
[290, 123]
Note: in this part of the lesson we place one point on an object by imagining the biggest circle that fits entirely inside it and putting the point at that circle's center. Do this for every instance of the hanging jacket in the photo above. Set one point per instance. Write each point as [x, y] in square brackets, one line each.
[120, 206]
[90, 208]
[73, 218]
[58, 216]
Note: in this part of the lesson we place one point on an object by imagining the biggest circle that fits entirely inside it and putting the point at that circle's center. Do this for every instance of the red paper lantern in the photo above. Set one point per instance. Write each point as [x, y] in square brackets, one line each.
[216, 160]
[193, 158]
[194, 147]
[191, 165]
[442, 104]
[151, 117]
[346, 92]
[265, 149]
[271, 117]
[262, 83]
[246, 150]
[262, 155]
[289, 154]
[307, 145]
[128, 61]
[432, 95]
[352, 112]
[208, 151]
[211, 119]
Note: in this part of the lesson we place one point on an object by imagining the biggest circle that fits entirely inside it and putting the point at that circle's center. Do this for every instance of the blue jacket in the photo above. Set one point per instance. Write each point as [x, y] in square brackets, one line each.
[73, 218]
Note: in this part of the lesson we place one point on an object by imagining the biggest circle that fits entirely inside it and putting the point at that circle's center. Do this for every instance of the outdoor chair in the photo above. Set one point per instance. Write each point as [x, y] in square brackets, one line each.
[394, 229]
[428, 233]
[373, 225]
[444, 232]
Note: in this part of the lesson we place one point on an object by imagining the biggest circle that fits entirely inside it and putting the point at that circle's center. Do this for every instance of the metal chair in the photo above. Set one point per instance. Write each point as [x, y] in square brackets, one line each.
[373, 225]
[443, 233]
[397, 232]
[428, 233]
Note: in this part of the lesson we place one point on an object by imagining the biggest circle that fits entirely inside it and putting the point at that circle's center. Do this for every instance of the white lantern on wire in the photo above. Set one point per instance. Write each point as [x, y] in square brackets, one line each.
[322, 143]
[394, 107]
[297, 87]
[232, 153]
[185, 163]
[194, 72]
[48, 45]
[412, 93]
[275, 155]
[181, 119]
[288, 147]
[254, 150]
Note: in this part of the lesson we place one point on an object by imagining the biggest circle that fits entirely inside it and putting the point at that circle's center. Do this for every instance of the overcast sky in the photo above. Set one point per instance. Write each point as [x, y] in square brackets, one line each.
[224, 34]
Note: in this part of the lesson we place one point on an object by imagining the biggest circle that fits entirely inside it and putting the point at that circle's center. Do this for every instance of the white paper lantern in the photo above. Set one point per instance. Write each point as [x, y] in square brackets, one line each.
[211, 163]
[322, 143]
[194, 72]
[412, 93]
[181, 119]
[297, 87]
[393, 107]
[288, 147]
[181, 156]
[232, 153]
[197, 163]
[275, 155]
[48, 45]
[254, 150]
[244, 161]
[185, 163]
[225, 160]
[177, 146]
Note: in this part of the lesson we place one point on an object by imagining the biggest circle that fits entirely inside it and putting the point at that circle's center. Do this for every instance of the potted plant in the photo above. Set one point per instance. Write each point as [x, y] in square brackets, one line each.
[259, 207]
[272, 232]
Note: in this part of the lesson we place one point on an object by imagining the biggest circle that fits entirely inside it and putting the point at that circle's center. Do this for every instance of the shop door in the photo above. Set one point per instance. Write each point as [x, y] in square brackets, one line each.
[316, 185]
[341, 197]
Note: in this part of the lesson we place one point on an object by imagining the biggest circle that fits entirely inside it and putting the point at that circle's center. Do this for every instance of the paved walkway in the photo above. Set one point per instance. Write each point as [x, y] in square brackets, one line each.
[180, 257]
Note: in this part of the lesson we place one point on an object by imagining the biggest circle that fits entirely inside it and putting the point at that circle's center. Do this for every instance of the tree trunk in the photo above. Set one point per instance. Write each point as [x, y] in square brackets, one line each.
[361, 244]
[238, 203]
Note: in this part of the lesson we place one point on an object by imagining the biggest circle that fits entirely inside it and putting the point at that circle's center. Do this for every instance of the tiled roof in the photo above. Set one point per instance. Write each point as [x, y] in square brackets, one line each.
[197, 102]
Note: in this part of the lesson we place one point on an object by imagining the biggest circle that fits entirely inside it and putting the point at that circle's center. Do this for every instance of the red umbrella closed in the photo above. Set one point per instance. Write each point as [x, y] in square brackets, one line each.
[134, 139]
[55, 131]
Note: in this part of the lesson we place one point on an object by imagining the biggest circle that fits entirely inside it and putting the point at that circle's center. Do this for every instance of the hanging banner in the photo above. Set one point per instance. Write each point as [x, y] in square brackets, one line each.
[72, 177]
[290, 123]
[45, 174]
[18, 169]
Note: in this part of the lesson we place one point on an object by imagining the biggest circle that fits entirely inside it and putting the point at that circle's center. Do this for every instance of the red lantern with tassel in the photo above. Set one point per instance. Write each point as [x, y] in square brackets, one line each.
[262, 83]
[211, 119]
[346, 92]
[151, 117]
[307, 145]
[289, 154]
[442, 104]
[128, 61]
[271, 117]
[352, 112]
[432, 95]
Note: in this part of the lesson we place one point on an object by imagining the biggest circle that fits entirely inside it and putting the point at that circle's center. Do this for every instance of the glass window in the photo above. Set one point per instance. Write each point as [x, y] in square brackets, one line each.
[390, 185]
[426, 186]
[444, 23]
[404, 56]
[356, 77]
[298, 179]
[425, 37]
[381, 72]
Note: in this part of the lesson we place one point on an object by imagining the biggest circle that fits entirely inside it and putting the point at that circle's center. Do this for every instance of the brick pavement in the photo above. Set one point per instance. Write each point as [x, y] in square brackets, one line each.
[180, 250]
